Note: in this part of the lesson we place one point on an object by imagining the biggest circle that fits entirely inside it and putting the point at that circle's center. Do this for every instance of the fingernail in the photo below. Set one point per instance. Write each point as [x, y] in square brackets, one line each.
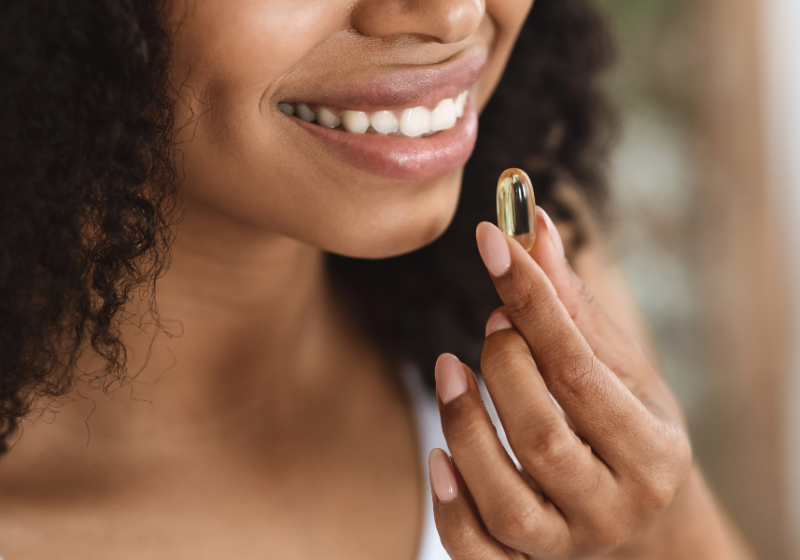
[493, 247]
[552, 230]
[451, 380]
[497, 322]
[443, 479]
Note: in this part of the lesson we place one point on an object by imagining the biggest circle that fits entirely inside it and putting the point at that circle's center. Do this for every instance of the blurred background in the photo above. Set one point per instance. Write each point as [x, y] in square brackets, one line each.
[707, 193]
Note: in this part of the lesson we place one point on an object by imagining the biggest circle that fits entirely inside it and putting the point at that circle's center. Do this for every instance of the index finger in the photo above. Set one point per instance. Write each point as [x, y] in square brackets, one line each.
[605, 413]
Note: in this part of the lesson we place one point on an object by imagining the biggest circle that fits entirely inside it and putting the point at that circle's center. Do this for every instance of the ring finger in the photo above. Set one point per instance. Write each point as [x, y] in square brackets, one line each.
[564, 466]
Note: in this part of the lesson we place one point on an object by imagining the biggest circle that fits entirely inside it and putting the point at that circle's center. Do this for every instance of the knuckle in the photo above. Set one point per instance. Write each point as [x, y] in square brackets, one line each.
[514, 525]
[666, 475]
[660, 487]
[609, 534]
[658, 494]
[525, 297]
[586, 297]
[547, 444]
[578, 371]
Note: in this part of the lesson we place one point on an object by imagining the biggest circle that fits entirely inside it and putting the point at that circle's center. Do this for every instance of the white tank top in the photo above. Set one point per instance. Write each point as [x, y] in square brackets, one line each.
[429, 428]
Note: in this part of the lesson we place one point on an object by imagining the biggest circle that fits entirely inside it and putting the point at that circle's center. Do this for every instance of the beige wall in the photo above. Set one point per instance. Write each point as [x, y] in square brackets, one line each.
[746, 283]
[707, 185]
[782, 106]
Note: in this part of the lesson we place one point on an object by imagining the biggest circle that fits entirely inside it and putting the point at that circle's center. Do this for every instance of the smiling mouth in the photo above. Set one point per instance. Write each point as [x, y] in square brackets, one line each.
[412, 122]
[408, 124]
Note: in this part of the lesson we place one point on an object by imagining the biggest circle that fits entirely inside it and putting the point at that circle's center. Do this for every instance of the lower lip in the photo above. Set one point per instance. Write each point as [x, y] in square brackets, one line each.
[399, 158]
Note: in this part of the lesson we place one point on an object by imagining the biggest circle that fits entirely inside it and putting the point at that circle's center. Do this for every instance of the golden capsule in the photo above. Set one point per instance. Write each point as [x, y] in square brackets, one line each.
[516, 214]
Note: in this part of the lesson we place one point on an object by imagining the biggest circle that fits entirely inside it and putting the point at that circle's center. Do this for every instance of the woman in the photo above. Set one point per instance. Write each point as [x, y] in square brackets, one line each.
[253, 405]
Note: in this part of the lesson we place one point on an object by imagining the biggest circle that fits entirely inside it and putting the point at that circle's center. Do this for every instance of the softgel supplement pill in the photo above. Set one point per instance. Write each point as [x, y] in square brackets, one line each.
[516, 207]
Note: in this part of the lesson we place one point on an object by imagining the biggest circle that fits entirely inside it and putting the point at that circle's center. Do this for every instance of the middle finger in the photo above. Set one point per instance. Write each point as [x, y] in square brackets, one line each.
[565, 467]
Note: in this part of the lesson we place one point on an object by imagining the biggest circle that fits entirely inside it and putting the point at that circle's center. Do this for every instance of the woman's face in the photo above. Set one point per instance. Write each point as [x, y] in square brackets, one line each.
[376, 63]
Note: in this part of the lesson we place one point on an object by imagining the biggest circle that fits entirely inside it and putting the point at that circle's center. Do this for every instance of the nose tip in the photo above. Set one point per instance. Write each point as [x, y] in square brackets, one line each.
[443, 21]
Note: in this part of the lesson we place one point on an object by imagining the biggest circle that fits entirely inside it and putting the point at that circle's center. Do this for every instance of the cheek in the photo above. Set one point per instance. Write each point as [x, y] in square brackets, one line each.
[502, 23]
[247, 42]
[509, 15]
[228, 53]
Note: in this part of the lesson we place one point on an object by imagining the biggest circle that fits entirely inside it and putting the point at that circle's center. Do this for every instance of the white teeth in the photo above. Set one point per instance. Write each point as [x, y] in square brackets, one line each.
[415, 121]
[305, 113]
[412, 122]
[384, 122]
[444, 116]
[461, 102]
[325, 117]
[355, 121]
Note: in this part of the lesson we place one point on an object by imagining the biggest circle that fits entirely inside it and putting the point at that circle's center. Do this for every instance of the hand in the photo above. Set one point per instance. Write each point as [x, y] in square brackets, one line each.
[593, 475]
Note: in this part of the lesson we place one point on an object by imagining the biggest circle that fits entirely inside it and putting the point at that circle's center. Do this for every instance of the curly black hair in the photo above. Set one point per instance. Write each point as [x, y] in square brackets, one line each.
[87, 186]
[89, 193]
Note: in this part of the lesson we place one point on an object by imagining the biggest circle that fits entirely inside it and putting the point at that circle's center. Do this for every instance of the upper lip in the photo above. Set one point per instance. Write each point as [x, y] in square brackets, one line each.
[397, 89]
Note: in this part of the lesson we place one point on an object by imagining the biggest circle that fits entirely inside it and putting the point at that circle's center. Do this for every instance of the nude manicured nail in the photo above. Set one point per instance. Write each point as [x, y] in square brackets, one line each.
[552, 230]
[443, 479]
[451, 380]
[497, 322]
[494, 250]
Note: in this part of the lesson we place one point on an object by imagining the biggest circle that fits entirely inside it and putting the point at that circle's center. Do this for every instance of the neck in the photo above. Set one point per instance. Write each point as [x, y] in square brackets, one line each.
[245, 333]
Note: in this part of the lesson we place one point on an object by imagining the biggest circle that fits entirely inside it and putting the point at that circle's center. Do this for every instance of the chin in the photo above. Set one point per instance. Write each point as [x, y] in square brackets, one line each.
[390, 234]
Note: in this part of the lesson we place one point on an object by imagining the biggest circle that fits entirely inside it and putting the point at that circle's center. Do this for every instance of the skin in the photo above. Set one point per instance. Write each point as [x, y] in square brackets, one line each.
[258, 418]
[611, 474]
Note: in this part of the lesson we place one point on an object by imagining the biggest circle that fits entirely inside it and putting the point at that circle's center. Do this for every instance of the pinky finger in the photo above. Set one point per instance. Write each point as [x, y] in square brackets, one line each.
[463, 535]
